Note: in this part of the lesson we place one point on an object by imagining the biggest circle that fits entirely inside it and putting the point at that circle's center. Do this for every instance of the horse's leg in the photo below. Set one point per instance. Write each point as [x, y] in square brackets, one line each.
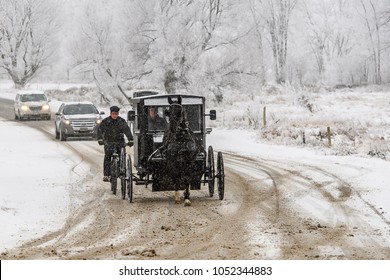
[187, 201]
[177, 196]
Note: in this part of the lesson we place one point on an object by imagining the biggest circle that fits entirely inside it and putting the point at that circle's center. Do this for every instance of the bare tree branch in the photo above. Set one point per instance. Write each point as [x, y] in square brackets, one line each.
[27, 29]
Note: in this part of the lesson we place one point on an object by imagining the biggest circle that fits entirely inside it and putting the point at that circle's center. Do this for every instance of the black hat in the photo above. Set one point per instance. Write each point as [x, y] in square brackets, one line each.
[114, 109]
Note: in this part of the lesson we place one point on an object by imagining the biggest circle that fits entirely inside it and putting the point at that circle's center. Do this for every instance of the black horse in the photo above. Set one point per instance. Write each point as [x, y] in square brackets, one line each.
[180, 148]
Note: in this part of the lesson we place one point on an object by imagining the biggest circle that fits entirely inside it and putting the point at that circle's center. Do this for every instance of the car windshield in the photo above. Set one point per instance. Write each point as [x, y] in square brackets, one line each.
[77, 109]
[32, 97]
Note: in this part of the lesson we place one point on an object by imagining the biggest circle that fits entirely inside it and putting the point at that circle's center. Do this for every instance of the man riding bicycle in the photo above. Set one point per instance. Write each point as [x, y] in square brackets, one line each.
[111, 134]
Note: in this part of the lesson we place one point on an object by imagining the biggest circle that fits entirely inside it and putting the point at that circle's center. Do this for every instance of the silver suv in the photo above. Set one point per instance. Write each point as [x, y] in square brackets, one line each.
[77, 119]
[31, 104]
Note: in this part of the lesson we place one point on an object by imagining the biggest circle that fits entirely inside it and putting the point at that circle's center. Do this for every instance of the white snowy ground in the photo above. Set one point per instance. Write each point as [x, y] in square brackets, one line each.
[35, 173]
[370, 176]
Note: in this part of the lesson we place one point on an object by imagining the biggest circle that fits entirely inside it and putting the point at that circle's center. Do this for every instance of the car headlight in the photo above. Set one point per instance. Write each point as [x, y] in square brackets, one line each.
[98, 121]
[24, 108]
[46, 107]
[67, 122]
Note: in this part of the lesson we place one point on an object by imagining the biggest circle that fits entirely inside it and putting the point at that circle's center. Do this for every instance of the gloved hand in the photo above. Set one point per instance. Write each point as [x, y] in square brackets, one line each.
[101, 142]
[130, 143]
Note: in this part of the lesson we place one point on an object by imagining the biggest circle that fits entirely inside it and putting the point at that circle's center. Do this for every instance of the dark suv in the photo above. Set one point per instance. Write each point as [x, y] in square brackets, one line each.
[77, 119]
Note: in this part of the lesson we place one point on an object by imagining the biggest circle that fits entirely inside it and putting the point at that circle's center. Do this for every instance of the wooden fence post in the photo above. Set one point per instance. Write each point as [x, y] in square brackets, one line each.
[264, 116]
[303, 137]
[329, 139]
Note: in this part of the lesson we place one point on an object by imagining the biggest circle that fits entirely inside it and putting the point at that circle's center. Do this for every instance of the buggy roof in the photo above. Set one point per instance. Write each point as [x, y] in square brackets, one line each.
[162, 99]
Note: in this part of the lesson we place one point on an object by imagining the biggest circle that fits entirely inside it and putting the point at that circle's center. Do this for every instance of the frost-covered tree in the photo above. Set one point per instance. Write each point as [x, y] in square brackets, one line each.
[27, 37]
[371, 11]
[184, 44]
[317, 22]
[259, 38]
[98, 48]
[329, 35]
[213, 46]
[277, 15]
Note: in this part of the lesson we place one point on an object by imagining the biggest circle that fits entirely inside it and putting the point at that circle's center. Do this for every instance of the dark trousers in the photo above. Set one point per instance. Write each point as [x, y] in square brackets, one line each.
[109, 149]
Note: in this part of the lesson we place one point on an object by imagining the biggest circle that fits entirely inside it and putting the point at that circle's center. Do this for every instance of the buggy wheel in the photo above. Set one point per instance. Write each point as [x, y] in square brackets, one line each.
[114, 175]
[220, 176]
[210, 170]
[129, 179]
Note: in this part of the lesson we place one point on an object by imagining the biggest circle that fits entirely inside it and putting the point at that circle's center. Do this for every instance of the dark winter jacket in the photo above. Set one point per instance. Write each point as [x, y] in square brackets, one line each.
[111, 130]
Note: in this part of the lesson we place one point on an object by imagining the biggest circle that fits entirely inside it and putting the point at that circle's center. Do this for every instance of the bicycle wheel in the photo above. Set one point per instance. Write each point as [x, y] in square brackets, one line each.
[122, 172]
[122, 161]
[123, 186]
[114, 175]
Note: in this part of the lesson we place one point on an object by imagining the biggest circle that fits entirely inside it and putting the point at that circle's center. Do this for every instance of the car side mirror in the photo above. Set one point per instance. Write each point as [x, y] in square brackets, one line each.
[213, 115]
[102, 113]
[131, 116]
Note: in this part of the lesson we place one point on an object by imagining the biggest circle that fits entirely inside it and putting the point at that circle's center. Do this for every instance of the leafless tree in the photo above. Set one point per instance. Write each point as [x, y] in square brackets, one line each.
[98, 49]
[319, 33]
[27, 36]
[328, 34]
[178, 38]
[259, 27]
[277, 15]
[371, 16]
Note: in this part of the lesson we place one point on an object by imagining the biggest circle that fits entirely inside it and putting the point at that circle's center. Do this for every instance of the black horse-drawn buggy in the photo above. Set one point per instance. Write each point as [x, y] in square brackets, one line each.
[170, 145]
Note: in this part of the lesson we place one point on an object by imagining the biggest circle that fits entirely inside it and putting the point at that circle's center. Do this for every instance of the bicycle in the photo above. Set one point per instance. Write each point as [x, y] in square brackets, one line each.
[121, 168]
